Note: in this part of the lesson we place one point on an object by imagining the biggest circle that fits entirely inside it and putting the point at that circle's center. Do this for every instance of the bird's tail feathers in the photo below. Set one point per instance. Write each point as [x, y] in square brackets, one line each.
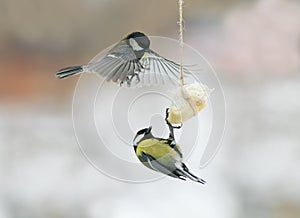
[69, 71]
[189, 175]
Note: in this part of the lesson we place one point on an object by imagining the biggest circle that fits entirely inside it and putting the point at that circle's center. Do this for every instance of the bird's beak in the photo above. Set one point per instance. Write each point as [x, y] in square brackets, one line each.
[149, 129]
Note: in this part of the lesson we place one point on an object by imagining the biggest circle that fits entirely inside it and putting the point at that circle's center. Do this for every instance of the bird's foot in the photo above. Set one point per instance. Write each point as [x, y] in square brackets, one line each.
[137, 77]
[167, 121]
[128, 81]
[130, 78]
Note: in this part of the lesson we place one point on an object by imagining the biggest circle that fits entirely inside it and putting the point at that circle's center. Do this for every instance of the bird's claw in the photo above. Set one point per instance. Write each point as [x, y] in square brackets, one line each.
[168, 122]
[178, 127]
[130, 78]
[167, 115]
[137, 77]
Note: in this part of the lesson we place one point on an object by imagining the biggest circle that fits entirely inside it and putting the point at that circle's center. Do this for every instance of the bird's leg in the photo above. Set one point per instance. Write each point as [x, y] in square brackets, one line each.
[166, 119]
[171, 127]
[137, 77]
[129, 79]
[138, 71]
[171, 134]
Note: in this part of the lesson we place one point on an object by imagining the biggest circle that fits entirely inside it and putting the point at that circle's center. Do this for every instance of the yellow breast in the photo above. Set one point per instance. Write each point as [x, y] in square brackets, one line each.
[157, 149]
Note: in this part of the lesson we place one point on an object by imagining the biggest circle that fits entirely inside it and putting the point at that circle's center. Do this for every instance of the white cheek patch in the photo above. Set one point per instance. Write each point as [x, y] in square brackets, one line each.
[135, 46]
[138, 138]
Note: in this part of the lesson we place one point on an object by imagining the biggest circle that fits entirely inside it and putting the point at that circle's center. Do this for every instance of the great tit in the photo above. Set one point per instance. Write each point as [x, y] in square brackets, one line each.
[128, 59]
[162, 155]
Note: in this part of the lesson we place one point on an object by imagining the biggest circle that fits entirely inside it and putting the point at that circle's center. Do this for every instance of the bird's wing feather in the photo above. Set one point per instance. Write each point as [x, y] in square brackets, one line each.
[119, 63]
[163, 156]
[159, 70]
[157, 166]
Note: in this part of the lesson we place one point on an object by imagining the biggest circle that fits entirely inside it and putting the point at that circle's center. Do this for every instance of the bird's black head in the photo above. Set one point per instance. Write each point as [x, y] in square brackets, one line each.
[141, 135]
[138, 41]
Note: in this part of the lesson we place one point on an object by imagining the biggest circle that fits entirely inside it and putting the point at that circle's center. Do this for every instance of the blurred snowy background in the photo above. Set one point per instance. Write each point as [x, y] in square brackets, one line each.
[253, 45]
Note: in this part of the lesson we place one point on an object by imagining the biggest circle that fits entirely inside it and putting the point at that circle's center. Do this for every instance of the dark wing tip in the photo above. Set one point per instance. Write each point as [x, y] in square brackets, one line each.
[201, 181]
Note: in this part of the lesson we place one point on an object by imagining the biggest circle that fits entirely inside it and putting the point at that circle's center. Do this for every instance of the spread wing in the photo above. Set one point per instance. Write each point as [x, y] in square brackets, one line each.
[122, 65]
[118, 65]
[159, 70]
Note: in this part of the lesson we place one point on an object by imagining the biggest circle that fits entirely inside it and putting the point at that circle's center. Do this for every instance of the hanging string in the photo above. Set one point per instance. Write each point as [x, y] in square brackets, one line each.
[184, 92]
[180, 22]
